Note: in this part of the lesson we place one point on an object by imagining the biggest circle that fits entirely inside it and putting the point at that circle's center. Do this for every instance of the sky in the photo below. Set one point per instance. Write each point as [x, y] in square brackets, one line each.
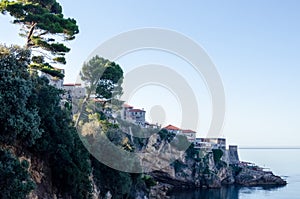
[255, 46]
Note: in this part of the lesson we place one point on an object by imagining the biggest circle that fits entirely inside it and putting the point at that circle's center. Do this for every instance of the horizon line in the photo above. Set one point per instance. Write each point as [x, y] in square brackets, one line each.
[269, 147]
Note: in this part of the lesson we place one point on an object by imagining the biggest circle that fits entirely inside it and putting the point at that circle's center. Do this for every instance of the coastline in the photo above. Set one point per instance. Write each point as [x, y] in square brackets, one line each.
[222, 173]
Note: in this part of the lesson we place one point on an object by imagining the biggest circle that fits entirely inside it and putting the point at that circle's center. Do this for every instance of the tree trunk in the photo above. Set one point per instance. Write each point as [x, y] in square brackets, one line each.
[82, 108]
[30, 35]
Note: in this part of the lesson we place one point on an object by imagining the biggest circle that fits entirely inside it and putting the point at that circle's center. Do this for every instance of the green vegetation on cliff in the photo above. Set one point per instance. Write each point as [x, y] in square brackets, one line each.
[34, 125]
[15, 181]
[32, 121]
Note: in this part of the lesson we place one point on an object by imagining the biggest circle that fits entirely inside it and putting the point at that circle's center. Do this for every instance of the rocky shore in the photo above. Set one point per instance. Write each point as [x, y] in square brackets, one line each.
[244, 177]
[205, 171]
[253, 177]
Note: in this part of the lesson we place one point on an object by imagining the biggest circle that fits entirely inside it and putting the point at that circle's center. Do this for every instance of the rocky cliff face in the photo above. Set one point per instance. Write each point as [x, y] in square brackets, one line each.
[193, 169]
[204, 170]
[254, 177]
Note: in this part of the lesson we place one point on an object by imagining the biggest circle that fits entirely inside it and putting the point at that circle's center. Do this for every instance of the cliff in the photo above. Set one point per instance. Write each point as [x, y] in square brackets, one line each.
[204, 168]
[195, 168]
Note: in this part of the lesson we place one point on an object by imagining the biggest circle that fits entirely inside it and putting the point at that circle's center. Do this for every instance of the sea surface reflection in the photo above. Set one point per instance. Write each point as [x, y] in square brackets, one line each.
[230, 192]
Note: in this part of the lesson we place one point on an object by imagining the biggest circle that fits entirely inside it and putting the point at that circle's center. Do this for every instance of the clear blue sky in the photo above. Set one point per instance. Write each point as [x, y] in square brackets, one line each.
[255, 46]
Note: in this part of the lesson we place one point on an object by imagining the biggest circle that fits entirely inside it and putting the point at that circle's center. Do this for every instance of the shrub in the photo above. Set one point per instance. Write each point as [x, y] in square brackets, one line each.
[19, 118]
[15, 182]
[149, 181]
[217, 153]
[60, 144]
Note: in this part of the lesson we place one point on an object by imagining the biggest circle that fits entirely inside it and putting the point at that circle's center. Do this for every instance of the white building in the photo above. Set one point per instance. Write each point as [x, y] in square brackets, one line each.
[125, 109]
[73, 94]
[213, 143]
[76, 91]
[136, 116]
[191, 135]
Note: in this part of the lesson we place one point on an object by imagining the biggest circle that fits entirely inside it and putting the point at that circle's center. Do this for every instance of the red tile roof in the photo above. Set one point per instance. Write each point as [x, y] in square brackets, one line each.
[127, 106]
[171, 127]
[72, 84]
[188, 131]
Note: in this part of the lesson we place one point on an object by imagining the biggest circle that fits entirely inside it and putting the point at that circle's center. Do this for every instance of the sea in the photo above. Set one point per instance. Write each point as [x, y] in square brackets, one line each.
[284, 162]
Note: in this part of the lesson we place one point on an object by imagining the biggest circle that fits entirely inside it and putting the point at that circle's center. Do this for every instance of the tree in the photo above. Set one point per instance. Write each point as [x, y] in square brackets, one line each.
[102, 78]
[60, 145]
[33, 122]
[109, 85]
[19, 119]
[218, 153]
[15, 182]
[42, 24]
[107, 179]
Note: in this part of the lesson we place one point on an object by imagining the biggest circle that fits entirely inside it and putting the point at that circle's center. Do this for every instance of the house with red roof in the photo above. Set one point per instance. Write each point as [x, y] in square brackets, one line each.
[133, 115]
[191, 135]
[173, 129]
[138, 115]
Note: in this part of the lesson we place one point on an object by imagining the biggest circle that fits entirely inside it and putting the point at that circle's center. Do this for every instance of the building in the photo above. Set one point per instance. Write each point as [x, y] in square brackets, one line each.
[125, 109]
[213, 143]
[191, 135]
[136, 116]
[73, 94]
[152, 126]
[76, 91]
[233, 154]
[172, 129]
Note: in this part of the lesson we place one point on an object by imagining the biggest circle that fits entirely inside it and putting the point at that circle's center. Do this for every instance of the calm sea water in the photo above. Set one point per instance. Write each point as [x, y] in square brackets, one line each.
[283, 162]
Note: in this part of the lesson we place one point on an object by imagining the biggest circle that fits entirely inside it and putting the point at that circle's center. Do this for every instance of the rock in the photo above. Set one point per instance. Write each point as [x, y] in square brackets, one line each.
[254, 177]
[160, 191]
[201, 172]
[226, 176]
[108, 195]
[141, 195]
[166, 179]
[210, 181]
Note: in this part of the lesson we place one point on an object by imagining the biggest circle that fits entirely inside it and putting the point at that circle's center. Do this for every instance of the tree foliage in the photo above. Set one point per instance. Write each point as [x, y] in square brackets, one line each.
[43, 24]
[19, 119]
[117, 182]
[61, 146]
[32, 120]
[217, 153]
[102, 77]
[15, 182]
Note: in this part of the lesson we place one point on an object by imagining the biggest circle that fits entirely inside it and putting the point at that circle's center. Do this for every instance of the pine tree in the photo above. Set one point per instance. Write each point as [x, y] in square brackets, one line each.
[45, 29]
